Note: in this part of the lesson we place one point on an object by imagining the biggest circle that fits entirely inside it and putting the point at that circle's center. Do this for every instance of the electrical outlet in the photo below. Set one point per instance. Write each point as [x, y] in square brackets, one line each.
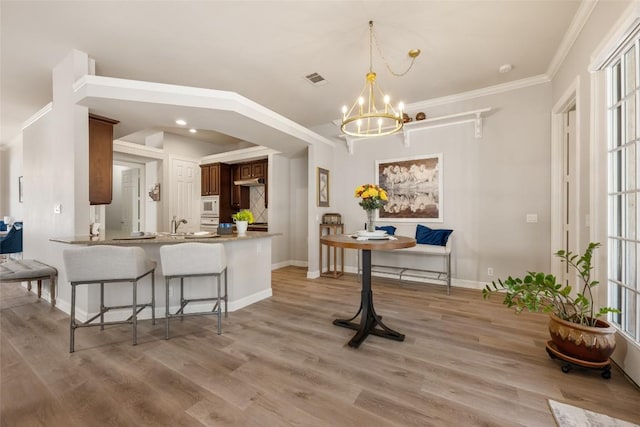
[57, 208]
[490, 271]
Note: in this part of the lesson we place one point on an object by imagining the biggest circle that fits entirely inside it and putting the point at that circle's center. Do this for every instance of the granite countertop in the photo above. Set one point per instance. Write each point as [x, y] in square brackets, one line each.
[155, 238]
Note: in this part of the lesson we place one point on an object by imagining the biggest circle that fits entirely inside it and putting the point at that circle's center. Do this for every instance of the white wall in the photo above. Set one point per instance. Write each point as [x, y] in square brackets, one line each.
[11, 170]
[575, 65]
[605, 18]
[490, 184]
[56, 171]
[279, 209]
[320, 156]
[298, 208]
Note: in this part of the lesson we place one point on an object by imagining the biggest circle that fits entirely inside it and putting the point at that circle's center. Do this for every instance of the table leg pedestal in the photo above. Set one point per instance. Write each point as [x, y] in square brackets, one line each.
[369, 319]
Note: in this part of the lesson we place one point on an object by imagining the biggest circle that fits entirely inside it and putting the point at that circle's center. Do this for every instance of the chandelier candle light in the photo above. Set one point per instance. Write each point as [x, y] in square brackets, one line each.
[373, 198]
[367, 117]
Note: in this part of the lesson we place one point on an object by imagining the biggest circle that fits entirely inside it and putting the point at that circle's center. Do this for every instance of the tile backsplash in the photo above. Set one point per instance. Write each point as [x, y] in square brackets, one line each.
[256, 203]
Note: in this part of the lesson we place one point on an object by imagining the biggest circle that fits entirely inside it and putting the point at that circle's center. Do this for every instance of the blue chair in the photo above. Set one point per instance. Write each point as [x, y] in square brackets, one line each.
[12, 242]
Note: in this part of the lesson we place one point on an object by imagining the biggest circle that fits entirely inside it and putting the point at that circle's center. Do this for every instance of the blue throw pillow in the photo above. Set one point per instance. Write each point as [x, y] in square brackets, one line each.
[427, 236]
[390, 229]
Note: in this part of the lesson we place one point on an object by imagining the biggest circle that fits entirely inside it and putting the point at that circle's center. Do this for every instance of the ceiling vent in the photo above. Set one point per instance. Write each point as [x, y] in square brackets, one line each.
[316, 79]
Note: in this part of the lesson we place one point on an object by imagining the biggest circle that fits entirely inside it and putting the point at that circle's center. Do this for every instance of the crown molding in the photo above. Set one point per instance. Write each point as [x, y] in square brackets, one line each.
[490, 90]
[31, 120]
[624, 28]
[579, 20]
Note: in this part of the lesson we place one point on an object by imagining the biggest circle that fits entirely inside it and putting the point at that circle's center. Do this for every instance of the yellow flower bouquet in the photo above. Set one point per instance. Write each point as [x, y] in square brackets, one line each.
[373, 196]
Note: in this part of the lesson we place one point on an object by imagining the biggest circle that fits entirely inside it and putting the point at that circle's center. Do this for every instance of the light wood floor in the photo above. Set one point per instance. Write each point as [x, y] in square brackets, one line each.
[465, 362]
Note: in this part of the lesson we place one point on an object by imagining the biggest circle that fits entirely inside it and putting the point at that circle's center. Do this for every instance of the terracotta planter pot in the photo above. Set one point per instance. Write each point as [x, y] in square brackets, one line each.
[588, 343]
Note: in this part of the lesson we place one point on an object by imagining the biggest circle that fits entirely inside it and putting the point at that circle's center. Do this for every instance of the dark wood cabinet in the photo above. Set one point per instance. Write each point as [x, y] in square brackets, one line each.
[249, 170]
[259, 169]
[100, 159]
[205, 180]
[213, 178]
[216, 180]
[239, 194]
[245, 170]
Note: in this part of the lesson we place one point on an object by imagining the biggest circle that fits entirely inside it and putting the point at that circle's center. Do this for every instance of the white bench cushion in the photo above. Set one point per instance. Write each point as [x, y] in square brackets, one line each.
[26, 269]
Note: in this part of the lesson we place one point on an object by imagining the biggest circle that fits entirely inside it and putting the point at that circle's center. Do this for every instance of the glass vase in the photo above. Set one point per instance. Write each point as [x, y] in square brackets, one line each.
[371, 220]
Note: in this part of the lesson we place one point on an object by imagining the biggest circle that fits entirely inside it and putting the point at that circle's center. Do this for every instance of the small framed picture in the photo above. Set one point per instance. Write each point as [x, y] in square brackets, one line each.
[20, 189]
[323, 187]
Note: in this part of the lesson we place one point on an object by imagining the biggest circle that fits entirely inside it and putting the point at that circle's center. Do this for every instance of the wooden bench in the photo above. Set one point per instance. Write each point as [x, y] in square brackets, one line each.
[27, 270]
[443, 276]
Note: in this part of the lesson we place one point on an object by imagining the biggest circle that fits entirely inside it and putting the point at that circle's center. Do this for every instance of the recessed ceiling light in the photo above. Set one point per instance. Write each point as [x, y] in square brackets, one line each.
[192, 130]
[505, 68]
[181, 122]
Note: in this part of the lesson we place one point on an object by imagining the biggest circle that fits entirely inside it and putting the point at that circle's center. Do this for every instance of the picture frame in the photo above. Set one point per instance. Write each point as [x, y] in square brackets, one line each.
[20, 189]
[323, 187]
[414, 188]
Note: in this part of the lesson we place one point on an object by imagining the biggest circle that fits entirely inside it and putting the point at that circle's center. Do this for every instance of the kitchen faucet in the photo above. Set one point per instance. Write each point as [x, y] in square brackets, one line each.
[175, 223]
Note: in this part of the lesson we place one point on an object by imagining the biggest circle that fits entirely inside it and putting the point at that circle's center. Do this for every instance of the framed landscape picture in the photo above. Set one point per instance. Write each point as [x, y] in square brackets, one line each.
[414, 186]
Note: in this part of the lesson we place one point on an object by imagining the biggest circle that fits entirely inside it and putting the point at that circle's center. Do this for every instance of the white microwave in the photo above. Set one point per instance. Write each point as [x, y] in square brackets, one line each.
[210, 206]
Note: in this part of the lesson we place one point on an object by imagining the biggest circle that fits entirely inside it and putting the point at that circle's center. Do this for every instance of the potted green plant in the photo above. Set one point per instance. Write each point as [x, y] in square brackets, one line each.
[242, 220]
[576, 327]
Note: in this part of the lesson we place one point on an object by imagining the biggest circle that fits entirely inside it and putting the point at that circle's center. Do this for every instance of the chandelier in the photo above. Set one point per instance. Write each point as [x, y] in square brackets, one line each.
[372, 113]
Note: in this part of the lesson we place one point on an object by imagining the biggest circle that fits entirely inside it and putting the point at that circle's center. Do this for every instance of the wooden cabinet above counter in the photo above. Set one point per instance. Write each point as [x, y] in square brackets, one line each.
[257, 169]
[214, 179]
[100, 159]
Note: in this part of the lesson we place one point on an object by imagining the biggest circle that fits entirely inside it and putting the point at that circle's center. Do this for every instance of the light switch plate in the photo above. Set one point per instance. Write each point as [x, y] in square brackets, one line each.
[57, 208]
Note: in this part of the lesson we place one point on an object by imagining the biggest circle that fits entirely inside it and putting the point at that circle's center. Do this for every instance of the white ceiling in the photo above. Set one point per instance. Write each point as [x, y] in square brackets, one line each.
[263, 49]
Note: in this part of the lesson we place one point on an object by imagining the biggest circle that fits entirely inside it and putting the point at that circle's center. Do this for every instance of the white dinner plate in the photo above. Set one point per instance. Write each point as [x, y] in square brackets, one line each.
[377, 233]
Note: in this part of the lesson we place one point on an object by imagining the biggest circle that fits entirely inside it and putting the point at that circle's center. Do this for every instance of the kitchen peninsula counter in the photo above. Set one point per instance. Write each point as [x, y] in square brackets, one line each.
[248, 270]
[165, 239]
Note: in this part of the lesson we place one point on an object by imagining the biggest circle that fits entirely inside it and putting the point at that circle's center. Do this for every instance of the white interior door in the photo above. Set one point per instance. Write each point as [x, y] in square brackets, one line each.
[184, 193]
[131, 200]
[569, 192]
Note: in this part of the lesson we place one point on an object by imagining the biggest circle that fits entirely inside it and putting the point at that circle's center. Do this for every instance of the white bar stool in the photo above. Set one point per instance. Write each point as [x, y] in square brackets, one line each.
[108, 264]
[194, 260]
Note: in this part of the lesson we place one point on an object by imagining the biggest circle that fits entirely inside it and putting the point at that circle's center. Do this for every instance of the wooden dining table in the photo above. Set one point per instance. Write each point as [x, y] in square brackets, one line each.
[370, 321]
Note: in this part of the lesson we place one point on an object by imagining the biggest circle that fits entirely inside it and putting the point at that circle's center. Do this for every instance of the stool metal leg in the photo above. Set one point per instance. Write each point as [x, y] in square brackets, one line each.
[102, 306]
[219, 315]
[166, 312]
[72, 325]
[226, 299]
[182, 304]
[134, 318]
[153, 297]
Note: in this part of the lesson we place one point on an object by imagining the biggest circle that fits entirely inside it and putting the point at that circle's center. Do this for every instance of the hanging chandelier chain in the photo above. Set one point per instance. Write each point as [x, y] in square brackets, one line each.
[386, 63]
[371, 46]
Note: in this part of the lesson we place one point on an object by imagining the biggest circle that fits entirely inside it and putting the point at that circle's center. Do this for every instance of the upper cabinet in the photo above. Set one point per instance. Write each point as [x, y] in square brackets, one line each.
[100, 159]
[214, 179]
[257, 169]
[240, 195]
